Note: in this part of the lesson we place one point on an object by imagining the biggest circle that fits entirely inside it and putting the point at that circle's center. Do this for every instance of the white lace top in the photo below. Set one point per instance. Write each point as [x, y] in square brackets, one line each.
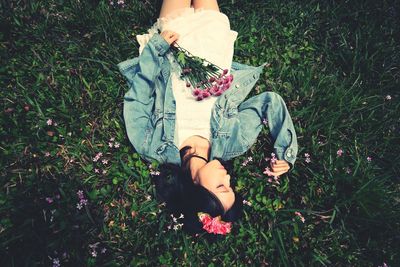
[206, 34]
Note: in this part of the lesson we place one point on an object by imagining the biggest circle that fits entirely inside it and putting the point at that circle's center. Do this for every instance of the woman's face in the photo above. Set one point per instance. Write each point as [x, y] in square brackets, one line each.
[215, 178]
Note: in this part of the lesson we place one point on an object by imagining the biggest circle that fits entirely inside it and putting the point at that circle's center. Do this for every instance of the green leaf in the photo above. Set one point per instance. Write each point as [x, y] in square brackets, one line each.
[88, 167]
[181, 58]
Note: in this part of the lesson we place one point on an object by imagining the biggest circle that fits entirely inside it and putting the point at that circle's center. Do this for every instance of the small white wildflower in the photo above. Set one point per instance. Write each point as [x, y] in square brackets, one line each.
[245, 202]
[56, 262]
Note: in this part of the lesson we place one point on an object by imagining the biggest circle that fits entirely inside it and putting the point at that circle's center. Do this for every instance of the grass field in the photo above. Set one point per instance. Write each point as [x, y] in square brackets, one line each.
[75, 193]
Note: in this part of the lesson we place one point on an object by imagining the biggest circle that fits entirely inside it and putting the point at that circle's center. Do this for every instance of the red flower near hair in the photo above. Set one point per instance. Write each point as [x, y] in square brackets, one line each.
[214, 225]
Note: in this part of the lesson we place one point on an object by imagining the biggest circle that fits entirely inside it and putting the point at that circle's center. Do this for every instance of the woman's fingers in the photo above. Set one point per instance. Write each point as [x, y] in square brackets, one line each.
[277, 173]
[170, 36]
[280, 162]
[280, 166]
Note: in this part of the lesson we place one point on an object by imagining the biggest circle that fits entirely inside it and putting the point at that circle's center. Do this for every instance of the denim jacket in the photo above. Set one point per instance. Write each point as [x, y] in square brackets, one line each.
[149, 110]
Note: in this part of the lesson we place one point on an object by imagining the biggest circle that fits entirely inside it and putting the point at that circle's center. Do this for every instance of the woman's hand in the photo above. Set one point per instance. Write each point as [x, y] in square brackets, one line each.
[279, 167]
[170, 36]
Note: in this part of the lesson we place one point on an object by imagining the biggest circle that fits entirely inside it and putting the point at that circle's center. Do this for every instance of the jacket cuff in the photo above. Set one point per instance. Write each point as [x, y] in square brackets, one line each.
[288, 154]
[159, 43]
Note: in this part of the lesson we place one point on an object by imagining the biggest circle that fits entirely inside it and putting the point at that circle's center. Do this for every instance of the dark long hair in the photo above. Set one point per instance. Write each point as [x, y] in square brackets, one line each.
[175, 186]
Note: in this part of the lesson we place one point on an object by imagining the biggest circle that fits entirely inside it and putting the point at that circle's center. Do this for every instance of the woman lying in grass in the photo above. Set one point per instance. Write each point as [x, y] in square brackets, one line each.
[194, 130]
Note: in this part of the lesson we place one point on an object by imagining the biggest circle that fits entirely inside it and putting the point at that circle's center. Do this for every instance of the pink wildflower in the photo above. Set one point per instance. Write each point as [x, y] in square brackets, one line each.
[49, 122]
[339, 152]
[80, 194]
[205, 94]
[265, 121]
[97, 157]
[249, 159]
[226, 86]
[196, 92]
[369, 159]
[268, 172]
[214, 225]
[273, 158]
[300, 216]
[308, 160]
